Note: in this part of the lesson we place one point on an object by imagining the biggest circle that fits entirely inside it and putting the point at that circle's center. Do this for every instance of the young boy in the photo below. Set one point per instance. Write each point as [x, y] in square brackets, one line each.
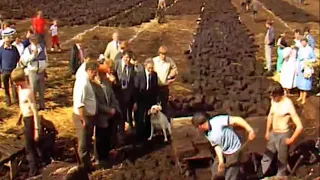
[30, 118]
[54, 36]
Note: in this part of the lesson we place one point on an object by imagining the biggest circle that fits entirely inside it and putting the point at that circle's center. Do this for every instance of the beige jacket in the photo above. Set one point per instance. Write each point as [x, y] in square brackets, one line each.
[111, 50]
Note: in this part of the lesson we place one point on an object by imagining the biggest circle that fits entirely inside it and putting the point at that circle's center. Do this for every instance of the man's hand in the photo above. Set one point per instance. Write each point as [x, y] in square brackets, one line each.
[251, 135]
[220, 167]
[288, 141]
[83, 122]
[171, 81]
[267, 136]
[112, 111]
[135, 106]
[36, 135]
[111, 78]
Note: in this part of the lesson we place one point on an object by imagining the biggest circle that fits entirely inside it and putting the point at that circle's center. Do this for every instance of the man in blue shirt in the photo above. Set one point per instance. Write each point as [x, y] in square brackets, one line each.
[9, 57]
[224, 140]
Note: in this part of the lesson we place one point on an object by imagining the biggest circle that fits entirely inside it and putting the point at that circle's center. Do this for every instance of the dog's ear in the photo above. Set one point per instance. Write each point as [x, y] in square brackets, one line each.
[149, 111]
[159, 107]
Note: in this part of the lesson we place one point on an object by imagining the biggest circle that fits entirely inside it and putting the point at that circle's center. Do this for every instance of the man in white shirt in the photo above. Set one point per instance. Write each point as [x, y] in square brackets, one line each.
[167, 70]
[113, 47]
[84, 112]
[19, 45]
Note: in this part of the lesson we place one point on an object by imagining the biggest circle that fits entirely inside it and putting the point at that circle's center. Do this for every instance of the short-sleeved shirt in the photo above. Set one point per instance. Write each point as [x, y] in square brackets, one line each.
[54, 30]
[221, 134]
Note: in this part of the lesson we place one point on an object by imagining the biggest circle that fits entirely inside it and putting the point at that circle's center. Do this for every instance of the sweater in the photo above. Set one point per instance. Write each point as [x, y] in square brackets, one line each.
[9, 58]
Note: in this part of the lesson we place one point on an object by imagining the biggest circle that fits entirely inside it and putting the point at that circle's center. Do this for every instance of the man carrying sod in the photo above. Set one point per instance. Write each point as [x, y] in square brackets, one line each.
[160, 11]
[226, 143]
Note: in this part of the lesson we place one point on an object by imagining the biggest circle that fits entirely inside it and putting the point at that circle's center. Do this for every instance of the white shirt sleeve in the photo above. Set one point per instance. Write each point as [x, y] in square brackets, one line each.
[79, 92]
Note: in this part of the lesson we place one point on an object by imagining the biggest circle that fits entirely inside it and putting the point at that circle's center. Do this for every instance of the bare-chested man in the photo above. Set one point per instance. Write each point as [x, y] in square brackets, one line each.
[279, 139]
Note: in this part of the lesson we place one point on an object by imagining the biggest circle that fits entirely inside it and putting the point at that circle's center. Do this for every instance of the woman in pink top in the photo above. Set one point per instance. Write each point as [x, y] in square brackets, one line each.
[30, 118]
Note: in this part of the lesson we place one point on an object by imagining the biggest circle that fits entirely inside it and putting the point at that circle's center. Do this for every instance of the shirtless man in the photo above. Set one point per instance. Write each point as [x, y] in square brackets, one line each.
[281, 111]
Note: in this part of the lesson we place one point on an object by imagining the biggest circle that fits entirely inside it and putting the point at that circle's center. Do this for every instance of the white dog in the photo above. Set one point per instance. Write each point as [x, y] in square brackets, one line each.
[159, 120]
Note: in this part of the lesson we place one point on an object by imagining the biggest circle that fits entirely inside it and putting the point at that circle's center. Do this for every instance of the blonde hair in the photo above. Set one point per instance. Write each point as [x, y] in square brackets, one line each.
[18, 75]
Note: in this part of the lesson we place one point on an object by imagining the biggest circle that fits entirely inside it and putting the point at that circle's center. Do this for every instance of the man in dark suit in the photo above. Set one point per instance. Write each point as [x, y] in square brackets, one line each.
[77, 57]
[108, 107]
[146, 83]
[124, 73]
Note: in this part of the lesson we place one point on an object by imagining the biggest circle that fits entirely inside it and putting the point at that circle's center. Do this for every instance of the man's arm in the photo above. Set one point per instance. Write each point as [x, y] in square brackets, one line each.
[107, 52]
[219, 153]
[239, 121]
[269, 120]
[78, 100]
[34, 109]
[296, 120]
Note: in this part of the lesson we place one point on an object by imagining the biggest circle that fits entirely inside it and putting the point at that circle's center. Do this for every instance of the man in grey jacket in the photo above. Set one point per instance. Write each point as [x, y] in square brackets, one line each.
[269, 41]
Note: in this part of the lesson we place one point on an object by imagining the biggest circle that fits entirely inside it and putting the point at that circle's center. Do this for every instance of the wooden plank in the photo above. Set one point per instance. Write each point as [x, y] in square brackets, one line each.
[13, 164]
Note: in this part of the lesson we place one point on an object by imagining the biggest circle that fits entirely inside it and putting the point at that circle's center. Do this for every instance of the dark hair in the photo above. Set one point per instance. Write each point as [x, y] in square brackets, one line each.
[92, 65]
[199, 118]
[297, 31]
[129, 53]
[275, 89]
[91, 56]
[18, 75]
[306, 29]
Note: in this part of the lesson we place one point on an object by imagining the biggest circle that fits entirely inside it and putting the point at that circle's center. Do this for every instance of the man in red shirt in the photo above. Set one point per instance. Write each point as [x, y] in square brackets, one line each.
[38, 26]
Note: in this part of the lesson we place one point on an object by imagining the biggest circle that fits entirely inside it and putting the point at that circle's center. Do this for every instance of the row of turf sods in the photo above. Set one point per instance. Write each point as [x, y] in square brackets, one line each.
[225, 76]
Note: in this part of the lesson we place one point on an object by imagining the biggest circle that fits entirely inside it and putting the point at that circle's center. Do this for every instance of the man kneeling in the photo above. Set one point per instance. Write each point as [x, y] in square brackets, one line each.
[225, 141]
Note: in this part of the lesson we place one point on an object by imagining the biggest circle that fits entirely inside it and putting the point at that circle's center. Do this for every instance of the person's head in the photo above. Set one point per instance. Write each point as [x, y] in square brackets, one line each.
[127, 56]
[115, 36]
[304, 42]
[106, 66]
[33, 40]
[18, 76]
[306, 30]
[162, 52]
[79, 41]
[5, 24]
[297, 33]
[269, 23]
[7, 40]
[124, 45]
[39, 13]
[18, 39]
[54, 22]
[91, 69]
[149, 65]
[276, 91]
[199, 121]
[283, 34]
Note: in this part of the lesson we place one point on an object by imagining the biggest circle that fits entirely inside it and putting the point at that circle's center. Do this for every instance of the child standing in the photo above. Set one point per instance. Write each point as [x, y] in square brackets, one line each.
[54, 36]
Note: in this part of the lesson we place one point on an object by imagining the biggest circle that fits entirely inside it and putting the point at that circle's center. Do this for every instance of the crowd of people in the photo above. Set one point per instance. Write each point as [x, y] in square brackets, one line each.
[114, 89]
[295, 60]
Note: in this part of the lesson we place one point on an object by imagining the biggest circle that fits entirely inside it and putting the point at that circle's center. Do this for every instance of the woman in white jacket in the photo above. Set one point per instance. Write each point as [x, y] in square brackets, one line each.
[288, 70]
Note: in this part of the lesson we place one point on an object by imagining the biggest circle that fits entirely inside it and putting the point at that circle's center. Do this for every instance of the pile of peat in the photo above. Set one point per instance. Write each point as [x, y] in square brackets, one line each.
[225, 75]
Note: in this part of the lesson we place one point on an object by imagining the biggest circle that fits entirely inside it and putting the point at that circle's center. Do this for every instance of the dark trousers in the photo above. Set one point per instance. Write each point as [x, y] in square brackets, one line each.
[142, 119]
[164, 98]
[41, 39]
[126, 105]
[103, 142]
[31, 147]
[5, 76]
[84, 134]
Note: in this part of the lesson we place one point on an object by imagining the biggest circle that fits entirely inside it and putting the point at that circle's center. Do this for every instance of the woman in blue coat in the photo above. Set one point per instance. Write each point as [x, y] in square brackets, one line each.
[305, 60]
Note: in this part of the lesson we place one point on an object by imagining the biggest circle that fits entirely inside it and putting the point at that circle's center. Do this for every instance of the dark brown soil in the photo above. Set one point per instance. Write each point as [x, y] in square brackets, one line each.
[225, 75]
[289, 12]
